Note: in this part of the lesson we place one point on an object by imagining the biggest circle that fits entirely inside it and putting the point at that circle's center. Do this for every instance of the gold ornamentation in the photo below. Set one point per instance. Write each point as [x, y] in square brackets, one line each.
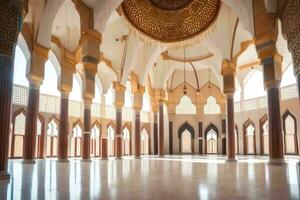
[171, 4]
[9, 28]
[166, 25]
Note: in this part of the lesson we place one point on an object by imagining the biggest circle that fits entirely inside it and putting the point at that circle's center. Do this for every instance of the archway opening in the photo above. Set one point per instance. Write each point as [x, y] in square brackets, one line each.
[126, 141]
[249, 129]
[186, 142]
[290, 133]
[212, 142]
[111, 141]
[18, 133]
[236, 138]
[76, 140]
[95, 141]
[52, 133]
[145, 142]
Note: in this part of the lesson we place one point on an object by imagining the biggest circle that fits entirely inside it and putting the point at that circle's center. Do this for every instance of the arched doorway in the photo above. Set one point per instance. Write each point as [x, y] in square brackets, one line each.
[76, 139]
[111, 141]
[95, 139]
[236, 138]
[144, 142]
[126, 141]
[52, 134]
[186, 135]
[264, 135]
[211, 139]
[290, 133]
[249, 137]
[18, 132]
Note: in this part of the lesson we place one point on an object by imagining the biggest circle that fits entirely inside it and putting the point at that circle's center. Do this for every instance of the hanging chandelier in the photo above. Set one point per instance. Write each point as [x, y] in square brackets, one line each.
[184, 78]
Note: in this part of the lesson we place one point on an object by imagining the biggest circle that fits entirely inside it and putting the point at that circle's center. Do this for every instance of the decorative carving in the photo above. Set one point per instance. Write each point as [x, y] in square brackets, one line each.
[159, 21]
[290, 22]
[171, 4]
[9, 28]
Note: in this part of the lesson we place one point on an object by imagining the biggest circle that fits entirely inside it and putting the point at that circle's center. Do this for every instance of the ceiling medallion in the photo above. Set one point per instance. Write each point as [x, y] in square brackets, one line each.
[171, 4]
[171, 21]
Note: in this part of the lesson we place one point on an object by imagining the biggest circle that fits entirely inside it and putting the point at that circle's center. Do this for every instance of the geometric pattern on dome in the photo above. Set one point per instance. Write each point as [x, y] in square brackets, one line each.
[160, 21]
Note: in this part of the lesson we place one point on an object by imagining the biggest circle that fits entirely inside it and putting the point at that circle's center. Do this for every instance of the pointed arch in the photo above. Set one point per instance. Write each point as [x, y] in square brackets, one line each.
[95, 139]
[17, 133]
[181, 131]
[211, 128]
[111, 141]
[40, 148]
[290, 133]
[145, 141]
[126, 136]
[52, 135]
[264, 137]
[76, 138]
[249, 140]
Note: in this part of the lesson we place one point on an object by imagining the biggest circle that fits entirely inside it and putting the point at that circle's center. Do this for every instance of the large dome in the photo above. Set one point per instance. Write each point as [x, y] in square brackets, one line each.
[171, 20]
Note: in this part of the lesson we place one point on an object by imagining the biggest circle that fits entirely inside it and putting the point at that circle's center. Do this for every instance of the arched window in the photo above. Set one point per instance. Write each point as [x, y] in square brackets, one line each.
[211, 106]
[212, 141]
[185, 106]
[145, 142]
[126, 141]
[76, 140]
[76, 93]
[146, 102]
[254, 85]
[95, 141]
[249, 139]
[288, 77]
[290, 133]
[49, 85]
[52, 133]
[109, 97]
[18, 136]
[111, 140]
[20, 64]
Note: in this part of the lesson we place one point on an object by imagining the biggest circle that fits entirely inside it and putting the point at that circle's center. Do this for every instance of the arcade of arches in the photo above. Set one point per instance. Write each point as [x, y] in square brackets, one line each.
[129, 84]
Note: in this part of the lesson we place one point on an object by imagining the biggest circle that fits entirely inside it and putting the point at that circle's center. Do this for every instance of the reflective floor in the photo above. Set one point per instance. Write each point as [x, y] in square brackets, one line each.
[171, 177]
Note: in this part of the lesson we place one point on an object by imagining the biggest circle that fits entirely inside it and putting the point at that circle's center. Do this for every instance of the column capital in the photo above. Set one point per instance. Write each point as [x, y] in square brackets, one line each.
[39, 56]
[228, 72]
[272, 70]
[119, 90]
[90, 42]
[65, 80]
[138, 94]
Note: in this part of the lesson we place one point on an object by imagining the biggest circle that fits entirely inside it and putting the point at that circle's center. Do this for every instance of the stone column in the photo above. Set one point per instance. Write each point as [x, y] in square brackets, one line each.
[161, 129]
[272, 77]
[6, 88]
[228, 72]
[155, 131]
[90, 42]
[86, 139]
[35, 75]
[9, 23]
[138, 92]
[119, 103]
[65, 82]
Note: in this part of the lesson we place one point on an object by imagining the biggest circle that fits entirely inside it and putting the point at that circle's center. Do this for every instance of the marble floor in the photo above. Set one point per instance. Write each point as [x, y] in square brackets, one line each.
[171, 177]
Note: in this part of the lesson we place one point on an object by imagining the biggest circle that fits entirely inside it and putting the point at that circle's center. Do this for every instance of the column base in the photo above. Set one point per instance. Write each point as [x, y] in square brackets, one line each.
[28, 161]
[231, 160]
[4, 176]
[86, 160]
[103, 158]
[63, 160]
[137, 157]
[279, 161]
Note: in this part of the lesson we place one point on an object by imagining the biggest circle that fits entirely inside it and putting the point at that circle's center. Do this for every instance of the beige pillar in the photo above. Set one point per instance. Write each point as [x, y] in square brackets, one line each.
[228, 72]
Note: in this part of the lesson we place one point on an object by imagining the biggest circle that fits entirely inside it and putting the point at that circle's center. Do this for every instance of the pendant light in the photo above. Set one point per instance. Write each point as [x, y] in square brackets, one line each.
[184, 73]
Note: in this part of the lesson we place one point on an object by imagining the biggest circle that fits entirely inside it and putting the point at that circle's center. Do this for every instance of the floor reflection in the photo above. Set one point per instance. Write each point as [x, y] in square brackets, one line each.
[170, 177]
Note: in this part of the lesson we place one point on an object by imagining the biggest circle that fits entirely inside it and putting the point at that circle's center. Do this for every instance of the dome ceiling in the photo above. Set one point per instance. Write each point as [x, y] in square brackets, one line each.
[171, 21]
